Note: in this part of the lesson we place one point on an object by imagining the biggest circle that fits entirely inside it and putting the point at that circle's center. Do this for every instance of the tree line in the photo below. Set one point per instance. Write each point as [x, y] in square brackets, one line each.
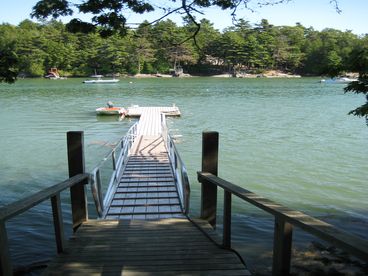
[33, 48]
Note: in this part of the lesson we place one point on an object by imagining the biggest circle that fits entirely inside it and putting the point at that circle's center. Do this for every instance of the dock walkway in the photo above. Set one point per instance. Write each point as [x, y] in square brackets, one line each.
[137, 247]
[147, 189]
[144, 230]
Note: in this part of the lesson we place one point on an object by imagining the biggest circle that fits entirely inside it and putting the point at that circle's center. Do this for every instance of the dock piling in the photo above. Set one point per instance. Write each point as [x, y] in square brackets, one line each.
[283, 235]
[210, 142]
[58, 223]
[76, 166]
[5, 261]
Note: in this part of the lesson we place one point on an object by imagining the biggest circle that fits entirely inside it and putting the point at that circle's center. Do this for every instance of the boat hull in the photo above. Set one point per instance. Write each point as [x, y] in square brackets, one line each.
[100, 81]
[111, 111]
[342, 80]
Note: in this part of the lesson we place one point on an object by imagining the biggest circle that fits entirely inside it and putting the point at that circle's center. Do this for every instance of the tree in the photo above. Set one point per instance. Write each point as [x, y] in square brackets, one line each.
[109, 17]
[288, 55]
[8, 56]
[359, 63]
[8, 63]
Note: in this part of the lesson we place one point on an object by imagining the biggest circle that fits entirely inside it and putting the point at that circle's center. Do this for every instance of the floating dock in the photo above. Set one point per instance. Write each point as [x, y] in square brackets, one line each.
[138, 111]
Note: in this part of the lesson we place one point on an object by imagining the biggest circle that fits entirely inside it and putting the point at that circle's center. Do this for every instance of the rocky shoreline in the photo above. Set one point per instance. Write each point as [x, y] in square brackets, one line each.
[267, 74]
[317, 259]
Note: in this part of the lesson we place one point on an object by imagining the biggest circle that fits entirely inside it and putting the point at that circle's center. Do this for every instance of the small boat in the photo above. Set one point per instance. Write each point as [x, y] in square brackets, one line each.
[96, 76]
[99, 80]
[110, 109]
[338, 80]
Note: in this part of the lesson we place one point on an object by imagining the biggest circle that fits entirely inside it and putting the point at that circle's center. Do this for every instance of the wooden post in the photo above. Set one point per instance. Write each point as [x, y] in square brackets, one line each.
[226, 234]
[113, 157]
[210, 142]
[5, 261]
[283, 234]
[58, 222]
[76, 166]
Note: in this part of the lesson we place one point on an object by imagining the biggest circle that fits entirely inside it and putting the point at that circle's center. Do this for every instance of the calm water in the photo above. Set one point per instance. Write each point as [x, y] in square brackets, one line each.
[289, 140]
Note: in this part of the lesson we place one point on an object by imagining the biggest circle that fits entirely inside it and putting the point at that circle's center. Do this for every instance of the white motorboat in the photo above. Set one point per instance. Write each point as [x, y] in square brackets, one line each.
[338, 80]
[99, 80]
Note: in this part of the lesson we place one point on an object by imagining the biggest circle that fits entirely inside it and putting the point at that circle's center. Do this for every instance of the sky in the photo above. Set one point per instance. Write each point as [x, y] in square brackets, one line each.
[318, 14]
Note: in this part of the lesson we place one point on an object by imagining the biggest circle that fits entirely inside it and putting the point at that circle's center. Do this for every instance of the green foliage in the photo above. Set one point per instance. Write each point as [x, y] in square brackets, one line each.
[359, 62]
[107, 14]
[8, 63]
[35, 48]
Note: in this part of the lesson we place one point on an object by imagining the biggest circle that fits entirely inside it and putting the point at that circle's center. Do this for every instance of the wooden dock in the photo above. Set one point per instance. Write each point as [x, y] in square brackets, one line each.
[150, 118]
[145, 230]
[137, 247]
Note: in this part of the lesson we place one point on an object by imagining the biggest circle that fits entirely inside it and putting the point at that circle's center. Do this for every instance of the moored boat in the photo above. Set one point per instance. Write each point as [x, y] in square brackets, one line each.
[99, 80]
[338, 80]
[111, 111]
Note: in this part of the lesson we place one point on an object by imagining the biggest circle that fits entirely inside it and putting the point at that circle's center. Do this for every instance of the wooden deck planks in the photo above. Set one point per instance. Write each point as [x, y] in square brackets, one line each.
[147, 187]
[136, 111]
[150, 118]
[163, 247]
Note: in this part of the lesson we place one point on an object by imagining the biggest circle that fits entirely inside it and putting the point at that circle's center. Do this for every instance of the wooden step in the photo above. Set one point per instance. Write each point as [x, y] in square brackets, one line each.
[146, 184]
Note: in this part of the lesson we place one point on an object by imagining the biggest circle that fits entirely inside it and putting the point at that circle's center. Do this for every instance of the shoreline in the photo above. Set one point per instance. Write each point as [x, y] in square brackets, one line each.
[272, 74]
[267, 74]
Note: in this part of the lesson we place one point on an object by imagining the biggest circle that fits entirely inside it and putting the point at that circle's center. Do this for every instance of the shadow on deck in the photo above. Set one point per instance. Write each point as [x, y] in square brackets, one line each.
[136, 247]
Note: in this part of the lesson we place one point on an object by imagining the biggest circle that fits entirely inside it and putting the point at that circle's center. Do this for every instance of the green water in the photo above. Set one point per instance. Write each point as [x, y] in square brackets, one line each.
[288, 140]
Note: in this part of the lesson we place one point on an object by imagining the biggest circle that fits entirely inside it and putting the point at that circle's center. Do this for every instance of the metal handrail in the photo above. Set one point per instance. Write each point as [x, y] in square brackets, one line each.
[177, 166]
[118, 163]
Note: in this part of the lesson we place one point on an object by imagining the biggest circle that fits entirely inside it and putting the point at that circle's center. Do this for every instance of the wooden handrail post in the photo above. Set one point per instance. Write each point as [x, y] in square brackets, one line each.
[226, 234]
[76, 166]
[113, 157]
[210, 142]
[283, 235]
[58, 223]
[5, 261]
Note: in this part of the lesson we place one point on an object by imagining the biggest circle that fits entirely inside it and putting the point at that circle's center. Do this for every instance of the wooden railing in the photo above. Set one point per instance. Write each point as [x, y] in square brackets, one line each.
[76, 184]
[285, 218]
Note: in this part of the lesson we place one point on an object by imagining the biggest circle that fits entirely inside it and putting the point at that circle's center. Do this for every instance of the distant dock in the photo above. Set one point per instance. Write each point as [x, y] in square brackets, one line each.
[137, 111]
[150, 122]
